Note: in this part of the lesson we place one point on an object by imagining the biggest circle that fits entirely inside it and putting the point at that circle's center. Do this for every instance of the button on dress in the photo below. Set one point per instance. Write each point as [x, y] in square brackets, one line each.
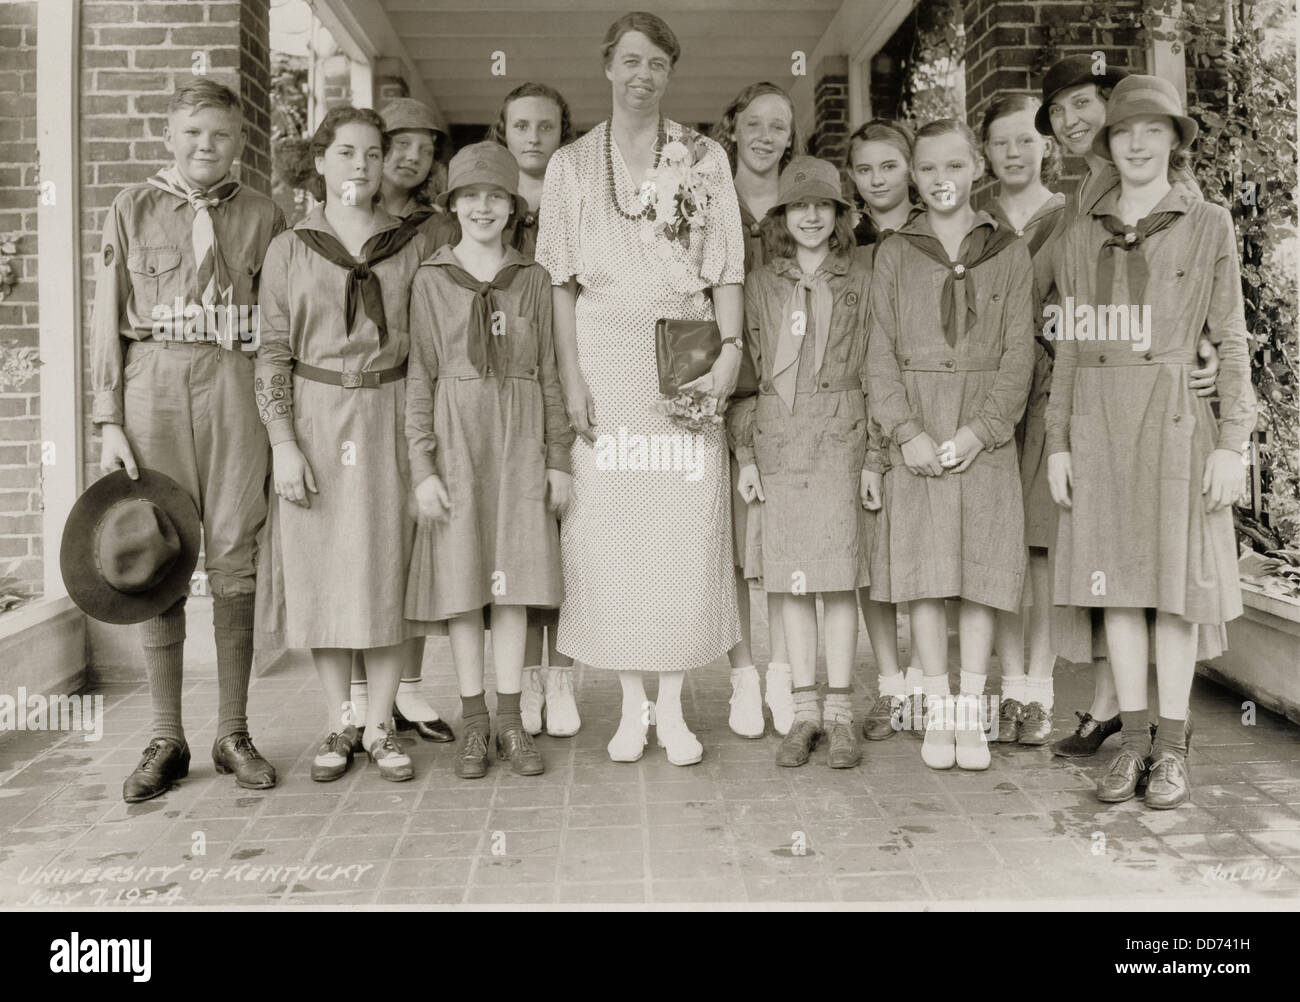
[958, 535]
[1138, 535]
[340, 564]
[647, 553]
[490, 438]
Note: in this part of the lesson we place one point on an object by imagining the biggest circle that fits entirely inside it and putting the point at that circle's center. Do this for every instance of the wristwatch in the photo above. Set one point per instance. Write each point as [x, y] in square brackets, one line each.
[735, 342]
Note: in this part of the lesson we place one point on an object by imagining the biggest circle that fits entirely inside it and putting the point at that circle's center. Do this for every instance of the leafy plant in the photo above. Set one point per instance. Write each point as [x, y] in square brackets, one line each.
[932, 71]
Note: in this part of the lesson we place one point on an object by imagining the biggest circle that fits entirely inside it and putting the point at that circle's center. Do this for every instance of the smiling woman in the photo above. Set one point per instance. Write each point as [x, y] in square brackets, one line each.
[647, 554]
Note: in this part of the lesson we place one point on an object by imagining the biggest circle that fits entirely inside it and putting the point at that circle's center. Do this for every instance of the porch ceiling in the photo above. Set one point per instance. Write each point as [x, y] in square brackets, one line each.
[726, 44]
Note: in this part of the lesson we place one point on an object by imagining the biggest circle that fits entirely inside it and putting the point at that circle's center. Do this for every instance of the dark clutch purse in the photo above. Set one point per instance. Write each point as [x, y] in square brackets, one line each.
[687, 349]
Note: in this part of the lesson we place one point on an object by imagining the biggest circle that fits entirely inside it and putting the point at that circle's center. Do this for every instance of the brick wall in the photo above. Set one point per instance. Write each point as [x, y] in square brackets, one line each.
[1006, 45]
[831, 104]
[20, 447]
[132, 57]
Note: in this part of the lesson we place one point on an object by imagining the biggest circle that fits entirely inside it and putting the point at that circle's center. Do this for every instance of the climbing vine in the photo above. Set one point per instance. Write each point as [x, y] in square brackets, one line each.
[932, 71]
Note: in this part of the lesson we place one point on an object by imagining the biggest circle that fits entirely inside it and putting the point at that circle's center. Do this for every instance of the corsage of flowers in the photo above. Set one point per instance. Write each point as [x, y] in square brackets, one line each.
[675, 193]
[694, 410]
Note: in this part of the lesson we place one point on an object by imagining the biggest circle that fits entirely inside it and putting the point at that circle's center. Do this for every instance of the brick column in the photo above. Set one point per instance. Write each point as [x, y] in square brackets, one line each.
[20, 446]
[1009, 46]
[831, 103]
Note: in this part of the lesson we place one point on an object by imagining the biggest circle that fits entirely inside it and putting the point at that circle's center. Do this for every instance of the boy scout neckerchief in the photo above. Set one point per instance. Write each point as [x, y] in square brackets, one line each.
[363, 283]
[816, 315]
[482, 346]
[214, 286]
[983, 242]
[1128, 240]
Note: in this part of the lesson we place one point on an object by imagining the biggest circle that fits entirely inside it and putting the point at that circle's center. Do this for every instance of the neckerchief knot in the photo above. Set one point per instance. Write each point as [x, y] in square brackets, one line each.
[1128, 241]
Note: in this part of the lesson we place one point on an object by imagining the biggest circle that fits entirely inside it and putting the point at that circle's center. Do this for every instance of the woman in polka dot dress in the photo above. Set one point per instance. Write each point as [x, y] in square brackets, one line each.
[646, 551]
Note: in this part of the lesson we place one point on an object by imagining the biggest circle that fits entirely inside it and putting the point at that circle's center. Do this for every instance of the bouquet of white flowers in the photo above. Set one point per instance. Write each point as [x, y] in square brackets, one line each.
[675, 193]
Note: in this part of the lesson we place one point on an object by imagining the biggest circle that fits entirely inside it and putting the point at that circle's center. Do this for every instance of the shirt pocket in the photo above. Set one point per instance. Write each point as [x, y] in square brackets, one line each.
[842, 443]
[156, 278]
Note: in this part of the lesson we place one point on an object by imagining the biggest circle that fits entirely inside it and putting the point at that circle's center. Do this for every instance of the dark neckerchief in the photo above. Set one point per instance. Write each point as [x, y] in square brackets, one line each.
[1127, 241]
[483, 347]
[868, 233]
[979, 245]
[363, 284]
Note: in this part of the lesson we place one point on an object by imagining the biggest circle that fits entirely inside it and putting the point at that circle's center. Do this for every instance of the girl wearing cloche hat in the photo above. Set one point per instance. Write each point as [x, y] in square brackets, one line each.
[1127, 437]
[802, 442]
[489, 449]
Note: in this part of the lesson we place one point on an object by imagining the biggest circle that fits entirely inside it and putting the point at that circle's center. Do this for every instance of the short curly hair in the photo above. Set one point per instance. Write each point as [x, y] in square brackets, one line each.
[306, 176]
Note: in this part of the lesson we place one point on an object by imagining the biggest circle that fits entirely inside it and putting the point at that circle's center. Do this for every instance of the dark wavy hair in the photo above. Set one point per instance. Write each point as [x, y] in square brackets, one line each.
[497, 133]
[777, 241]
[1009, 104]
[652, 26]
[306, 176]
[727, 124]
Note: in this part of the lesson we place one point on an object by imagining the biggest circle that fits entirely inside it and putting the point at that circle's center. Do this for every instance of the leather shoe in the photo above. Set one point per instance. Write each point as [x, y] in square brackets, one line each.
[844, 752]
[516, 746]
[163, 762]
[1087, 737]
[472, 755]
[1120, 783]
[334, 755]
[1169, 782]
[796, 747]
[1010, 716]
[1035, 725]
[235, 753]
[438, 731]
[883, 720]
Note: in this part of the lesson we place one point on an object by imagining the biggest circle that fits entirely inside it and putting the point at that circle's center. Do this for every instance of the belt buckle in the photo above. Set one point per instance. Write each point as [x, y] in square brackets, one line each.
[352, 380]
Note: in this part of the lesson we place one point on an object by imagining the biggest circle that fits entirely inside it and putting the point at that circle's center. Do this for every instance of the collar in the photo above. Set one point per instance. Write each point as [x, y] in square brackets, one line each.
[315, 220]
[1053, 204]
[184, 203]
[920, 223]
[833, 264]
[444, 256]
[1177, 199]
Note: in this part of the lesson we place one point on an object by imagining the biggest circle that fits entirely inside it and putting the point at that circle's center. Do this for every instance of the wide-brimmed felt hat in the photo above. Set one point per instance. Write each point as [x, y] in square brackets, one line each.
[130, 547]
[1071, 72]
[481, 163]
[1144, 95]
[406, 113]
[808, 179]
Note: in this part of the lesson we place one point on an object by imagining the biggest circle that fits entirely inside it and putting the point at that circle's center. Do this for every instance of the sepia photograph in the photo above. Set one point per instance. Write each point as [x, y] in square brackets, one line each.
[738, 456]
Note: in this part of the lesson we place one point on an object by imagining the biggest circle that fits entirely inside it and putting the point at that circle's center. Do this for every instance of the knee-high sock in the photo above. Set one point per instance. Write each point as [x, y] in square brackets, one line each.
[232, 624]
[163, 638]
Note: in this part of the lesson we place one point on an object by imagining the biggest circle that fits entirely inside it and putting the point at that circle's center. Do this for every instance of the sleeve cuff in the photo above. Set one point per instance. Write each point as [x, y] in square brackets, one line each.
[281, 430]
[745, 456]
[984, 433]
[1056, 441]
[907, 430]
[107, 408]
[558, 457]
[422, 468]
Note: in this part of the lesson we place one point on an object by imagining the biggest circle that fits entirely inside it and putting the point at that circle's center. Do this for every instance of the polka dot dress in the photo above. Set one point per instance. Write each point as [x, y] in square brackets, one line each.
[646, 542]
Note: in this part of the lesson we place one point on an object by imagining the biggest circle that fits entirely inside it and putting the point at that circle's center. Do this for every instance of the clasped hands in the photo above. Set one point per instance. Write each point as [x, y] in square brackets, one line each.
[926, 459]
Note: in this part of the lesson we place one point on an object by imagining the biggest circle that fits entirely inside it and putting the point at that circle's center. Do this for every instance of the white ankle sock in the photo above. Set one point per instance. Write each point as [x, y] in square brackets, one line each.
[972, 684]
[359, 694]
[1013, 687]
[1040, 690]
[913, 679]
[892, 685]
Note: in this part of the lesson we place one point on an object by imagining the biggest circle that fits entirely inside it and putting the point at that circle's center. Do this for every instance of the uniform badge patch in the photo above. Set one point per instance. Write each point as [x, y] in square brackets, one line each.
[108, 255]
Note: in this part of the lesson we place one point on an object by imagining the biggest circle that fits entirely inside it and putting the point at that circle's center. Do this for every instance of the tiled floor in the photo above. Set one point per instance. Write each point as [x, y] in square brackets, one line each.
[733, 829]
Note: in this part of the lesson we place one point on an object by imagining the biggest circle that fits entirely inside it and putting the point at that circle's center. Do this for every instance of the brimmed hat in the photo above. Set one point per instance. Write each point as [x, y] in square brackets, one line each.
[1144, 95]
[481, 163]
[1071, 72]
[130, 546]
[808, 179]
[404, 113]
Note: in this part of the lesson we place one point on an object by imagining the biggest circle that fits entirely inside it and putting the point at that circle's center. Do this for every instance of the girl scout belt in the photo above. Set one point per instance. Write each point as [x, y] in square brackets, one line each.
[350, 380]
